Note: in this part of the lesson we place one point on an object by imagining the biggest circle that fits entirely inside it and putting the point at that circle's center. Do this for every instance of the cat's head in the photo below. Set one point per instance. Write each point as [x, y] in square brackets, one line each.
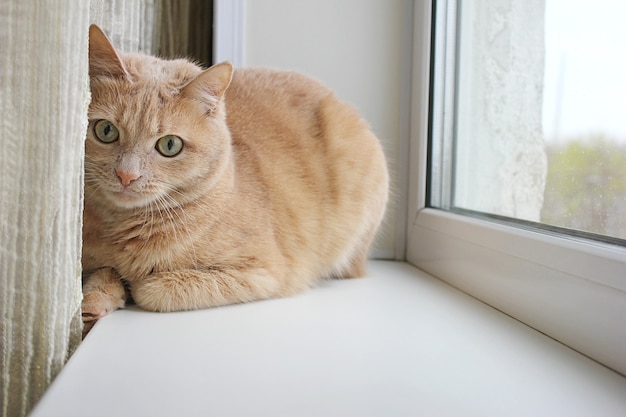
[157, 134]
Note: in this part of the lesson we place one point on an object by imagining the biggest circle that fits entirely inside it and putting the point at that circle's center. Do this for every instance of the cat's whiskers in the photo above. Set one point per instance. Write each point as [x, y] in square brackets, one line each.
[184, 220]
[94, 184]
[177, 210]
[146, 236]
[93, 175]
[156, 205]
[169, 222]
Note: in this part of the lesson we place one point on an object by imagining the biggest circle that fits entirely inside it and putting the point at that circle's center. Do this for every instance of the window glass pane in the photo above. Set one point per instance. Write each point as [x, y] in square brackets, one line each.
[539, 121]
[584, 116]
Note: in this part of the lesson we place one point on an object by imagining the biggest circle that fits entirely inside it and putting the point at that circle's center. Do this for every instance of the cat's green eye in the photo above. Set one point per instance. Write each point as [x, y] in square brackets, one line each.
[169, 145]
[105, 131]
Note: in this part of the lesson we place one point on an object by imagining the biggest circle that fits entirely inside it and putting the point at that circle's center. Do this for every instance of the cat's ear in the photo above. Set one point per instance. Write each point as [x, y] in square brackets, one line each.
[103, 59]
[209, 87]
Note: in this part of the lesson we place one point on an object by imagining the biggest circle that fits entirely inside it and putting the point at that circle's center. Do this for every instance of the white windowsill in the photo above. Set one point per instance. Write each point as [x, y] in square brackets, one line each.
[397, 343]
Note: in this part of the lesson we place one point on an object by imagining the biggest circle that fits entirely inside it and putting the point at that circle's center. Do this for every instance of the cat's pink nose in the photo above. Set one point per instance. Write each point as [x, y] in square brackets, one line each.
[126, 177]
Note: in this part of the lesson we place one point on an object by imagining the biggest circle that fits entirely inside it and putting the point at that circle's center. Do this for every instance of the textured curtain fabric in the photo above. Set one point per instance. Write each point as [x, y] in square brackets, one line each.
[186, 30]
[44, 94]
[132, 25]
[174, 37]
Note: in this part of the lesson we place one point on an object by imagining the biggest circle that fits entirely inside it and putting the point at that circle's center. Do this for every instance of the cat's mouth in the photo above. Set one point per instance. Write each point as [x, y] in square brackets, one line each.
[135, 197]
[126, 198]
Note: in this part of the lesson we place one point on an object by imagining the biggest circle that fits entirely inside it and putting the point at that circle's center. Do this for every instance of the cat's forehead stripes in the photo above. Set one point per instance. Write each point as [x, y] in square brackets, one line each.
[142, 112]
[136, 110]
[168, 75]
[146, 94]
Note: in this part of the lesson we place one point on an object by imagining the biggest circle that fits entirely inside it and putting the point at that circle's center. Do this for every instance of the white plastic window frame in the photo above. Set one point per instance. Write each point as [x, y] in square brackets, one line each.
[228, 31]
[569, 288]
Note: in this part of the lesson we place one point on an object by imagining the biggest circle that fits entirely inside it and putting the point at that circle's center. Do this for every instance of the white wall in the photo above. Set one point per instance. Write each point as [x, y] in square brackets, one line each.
[353, 46]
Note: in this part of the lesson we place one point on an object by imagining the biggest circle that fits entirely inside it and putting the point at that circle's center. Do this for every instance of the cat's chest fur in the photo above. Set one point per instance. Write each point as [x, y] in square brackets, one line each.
[137, 245]
[193, 236]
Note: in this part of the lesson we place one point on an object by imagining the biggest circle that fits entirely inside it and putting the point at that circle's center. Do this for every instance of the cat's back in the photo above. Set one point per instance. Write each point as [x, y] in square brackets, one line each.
[321, 169]
[291, 117]
[260, 97]
[264, 85]
[271, 105]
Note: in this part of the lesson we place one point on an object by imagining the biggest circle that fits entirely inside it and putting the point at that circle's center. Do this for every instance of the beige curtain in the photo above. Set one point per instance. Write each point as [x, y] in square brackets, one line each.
[186, 29]
[43, 107]
[44, 95]
[132, 25]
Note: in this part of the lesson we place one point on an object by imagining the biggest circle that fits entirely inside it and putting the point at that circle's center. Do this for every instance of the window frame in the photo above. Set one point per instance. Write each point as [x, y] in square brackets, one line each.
[569, 288]
[228, 31]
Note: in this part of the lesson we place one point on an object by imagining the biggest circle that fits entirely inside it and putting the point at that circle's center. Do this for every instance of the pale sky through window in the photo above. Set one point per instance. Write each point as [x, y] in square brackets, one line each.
[585, 73]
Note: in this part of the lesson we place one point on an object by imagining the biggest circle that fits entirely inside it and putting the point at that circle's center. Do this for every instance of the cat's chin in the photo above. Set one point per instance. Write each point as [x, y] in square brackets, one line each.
[129, 200]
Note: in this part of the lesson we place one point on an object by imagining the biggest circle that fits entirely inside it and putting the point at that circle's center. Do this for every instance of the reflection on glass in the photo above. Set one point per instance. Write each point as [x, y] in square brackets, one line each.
[540, 112]
[584, 116]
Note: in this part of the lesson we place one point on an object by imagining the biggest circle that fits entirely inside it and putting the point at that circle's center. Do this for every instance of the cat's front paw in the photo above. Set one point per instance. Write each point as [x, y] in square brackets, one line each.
[103, 292]
[97, 305]
[161, 292]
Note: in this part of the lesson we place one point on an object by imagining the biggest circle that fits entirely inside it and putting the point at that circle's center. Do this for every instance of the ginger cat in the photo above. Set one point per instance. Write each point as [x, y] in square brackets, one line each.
[219, 186]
